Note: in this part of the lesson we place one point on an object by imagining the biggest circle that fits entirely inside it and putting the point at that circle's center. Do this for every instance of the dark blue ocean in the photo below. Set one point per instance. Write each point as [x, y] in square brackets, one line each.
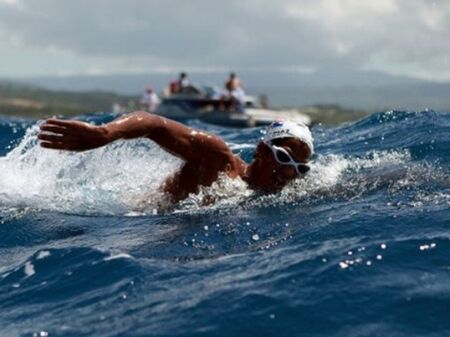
[361, 247]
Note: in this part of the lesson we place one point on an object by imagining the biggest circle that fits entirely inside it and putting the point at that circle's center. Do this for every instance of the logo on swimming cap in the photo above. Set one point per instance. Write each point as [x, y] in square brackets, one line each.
[277, 124]
[289, 129]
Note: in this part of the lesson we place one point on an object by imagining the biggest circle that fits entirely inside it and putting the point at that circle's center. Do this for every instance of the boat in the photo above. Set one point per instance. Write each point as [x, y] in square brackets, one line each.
[205, 104]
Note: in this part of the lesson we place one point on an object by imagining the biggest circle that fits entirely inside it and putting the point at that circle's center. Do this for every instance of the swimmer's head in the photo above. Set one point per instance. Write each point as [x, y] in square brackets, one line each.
[282, 156]
[288, 129]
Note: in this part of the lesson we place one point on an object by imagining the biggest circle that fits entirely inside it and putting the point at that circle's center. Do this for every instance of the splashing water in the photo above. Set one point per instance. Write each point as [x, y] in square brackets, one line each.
[110, 180]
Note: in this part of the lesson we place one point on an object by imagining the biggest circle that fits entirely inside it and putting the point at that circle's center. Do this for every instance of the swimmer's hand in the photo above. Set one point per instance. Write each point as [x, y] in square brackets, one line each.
[72, 135]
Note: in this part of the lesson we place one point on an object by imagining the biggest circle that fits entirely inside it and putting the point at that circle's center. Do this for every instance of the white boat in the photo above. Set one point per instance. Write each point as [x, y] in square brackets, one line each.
[204, 103]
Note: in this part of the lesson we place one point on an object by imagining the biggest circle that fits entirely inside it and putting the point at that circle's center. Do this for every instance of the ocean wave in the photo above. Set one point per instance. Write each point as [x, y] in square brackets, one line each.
[358, 247]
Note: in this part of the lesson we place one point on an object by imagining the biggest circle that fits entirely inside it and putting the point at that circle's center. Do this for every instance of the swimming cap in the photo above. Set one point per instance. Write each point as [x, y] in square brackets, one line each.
[286, 129]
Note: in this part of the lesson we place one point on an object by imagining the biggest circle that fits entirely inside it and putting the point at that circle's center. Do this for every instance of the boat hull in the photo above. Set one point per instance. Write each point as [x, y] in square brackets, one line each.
[209, 111]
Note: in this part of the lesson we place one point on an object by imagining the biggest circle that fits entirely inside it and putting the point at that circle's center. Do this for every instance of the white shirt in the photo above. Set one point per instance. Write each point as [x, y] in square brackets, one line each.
[151, 100]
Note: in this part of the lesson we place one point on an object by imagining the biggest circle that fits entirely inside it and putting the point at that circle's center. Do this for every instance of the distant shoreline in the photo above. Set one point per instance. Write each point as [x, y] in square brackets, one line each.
[38, 103]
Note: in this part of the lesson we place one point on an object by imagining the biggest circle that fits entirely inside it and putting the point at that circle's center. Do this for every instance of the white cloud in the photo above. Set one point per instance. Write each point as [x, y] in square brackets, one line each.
[8, 2]
[409, 36]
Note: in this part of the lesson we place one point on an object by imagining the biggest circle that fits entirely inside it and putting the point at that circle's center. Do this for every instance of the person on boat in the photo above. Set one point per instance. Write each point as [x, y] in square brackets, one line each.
[180, 85]
[282, 155]
[235, 94]
[183, 83]
[150, 100]
[173, 87]
[233, 82]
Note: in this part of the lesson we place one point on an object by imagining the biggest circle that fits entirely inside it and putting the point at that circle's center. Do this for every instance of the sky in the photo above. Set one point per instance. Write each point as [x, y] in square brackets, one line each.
[101, 37]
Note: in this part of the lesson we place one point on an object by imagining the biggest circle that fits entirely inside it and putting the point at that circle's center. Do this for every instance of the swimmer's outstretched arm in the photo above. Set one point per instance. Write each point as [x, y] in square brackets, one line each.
[176, 138]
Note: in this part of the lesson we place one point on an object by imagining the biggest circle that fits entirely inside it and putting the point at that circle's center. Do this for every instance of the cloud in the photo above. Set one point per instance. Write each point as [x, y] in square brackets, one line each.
[8, 2]
[403, 35]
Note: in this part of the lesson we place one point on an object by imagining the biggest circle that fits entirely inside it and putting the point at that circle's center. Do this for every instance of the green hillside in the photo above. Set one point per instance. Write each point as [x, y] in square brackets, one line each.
[35, 102]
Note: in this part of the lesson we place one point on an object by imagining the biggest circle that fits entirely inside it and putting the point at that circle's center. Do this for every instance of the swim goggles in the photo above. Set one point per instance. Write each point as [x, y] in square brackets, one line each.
[284, 158]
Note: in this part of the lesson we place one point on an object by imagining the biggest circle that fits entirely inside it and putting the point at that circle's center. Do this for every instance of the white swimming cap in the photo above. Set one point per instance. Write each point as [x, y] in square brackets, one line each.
[285, 129]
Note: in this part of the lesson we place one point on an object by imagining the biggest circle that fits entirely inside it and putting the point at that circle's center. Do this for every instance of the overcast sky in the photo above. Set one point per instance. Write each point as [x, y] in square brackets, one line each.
[68, 37]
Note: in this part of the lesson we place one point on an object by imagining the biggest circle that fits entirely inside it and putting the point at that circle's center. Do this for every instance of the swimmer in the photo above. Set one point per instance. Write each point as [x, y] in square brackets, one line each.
[280, 157]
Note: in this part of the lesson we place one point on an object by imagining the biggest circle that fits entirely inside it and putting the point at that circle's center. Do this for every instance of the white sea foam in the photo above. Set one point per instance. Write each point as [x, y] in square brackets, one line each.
[224, 193]
[43, 254]
[110, 180]
[235, 147]
[29, 269]
[118, 256]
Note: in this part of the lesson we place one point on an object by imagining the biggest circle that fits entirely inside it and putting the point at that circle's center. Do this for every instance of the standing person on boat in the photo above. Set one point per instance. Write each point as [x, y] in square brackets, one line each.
[235, 93]
[281, 157]
[183, 83]
[150, 100]
[233, 82]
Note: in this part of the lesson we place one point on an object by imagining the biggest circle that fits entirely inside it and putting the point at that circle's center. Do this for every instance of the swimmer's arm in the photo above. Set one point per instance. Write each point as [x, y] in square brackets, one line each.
[174, 137]
[74, 135]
